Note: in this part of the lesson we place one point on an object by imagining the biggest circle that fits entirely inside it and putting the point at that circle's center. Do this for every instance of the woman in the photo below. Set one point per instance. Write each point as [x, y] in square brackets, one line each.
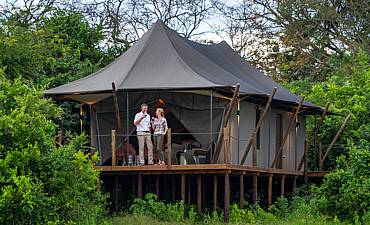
[159, 125]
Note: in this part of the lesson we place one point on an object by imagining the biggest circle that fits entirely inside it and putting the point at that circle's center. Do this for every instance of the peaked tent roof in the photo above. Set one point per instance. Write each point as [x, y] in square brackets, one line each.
[162, 59]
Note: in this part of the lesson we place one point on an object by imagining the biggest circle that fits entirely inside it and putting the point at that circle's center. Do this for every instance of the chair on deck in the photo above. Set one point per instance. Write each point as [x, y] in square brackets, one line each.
[197, 151]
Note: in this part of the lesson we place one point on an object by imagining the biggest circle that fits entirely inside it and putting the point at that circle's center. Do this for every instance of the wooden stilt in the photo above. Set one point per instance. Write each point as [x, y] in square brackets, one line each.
[255, 186]
[189, 191]
[294, 184]
[227, 198]
[305, 168]
[199, 194]
[282, 185]
[214, 193]
[173, 180]
[157, 186]
[269, 190]
[241, 191]
[139, 186]
[183, 188]
[115, 193]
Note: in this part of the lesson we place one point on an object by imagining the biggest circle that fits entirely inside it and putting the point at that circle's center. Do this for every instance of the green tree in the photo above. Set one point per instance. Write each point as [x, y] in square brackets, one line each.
[348, 92]
[40, 183]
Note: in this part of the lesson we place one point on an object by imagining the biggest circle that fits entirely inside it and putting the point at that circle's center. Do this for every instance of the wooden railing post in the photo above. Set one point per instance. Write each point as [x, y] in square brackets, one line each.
[254, 153]
[169, 146]
[114, 160]
[118, 118]
[225, 123]
[226, 146]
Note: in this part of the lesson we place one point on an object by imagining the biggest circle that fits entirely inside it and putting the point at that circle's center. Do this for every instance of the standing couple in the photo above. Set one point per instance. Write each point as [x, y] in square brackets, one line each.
[143, 124]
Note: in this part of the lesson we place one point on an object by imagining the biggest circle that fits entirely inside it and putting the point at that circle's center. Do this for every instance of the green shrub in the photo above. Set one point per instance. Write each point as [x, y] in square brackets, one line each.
[238, 215]
[39, 183]
[345, 191]
[150, 206]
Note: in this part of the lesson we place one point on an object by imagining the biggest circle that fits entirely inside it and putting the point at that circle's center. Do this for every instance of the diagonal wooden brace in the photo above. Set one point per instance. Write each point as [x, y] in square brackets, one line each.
[248, 146]
[226, 121]
[334, 140]
[314, 135]
[278, 152]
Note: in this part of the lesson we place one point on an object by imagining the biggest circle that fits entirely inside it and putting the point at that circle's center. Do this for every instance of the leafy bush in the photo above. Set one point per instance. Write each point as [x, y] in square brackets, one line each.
[345, 191]
[238, 215]
[150, 206]
[39, 183]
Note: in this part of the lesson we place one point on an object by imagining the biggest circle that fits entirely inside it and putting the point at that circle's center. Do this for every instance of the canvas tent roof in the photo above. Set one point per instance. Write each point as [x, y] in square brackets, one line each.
[162, 59]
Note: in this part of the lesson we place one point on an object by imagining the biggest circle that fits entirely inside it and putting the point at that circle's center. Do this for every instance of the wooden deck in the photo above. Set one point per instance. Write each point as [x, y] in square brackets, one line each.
[195, 169]
[202, 184]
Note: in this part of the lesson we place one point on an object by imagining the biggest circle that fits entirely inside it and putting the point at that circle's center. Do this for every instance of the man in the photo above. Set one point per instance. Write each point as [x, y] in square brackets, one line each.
[142, 123]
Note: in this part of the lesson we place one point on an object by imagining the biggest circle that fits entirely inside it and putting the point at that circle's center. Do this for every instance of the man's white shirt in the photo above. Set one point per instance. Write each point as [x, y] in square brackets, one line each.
[144, 124]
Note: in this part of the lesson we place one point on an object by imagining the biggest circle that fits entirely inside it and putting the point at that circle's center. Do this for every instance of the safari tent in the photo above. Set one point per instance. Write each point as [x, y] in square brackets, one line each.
[210, 94]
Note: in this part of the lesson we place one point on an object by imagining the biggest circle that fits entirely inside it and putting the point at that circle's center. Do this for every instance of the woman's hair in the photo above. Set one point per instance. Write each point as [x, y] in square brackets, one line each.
[161, 111]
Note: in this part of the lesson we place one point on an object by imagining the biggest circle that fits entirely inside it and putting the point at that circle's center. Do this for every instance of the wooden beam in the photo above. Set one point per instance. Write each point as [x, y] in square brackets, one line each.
[226, 121]
[113, 142]
[241, 191]
[254, 153]
[334, 140]
[119, 124]
[60, 138]
[157, 186]
[255, 189]
[173, 181]
[269, 190]
[189, 191]
[320, 156]
[294, 184]
[139, 186]
[199, 194]
[258, 126]
[226, 146]
[280, 149]
[183, 188]
[227, 198]
[215, 193]
[314, 135]
[305, 169]
[115, 194]
[282, 185]
[169, 147]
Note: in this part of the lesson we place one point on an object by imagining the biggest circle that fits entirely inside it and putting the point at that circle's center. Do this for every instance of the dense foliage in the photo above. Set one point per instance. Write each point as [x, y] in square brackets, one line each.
[348, 92]
[40, 183]
[297, 211]
[319, 47]
[345, 191]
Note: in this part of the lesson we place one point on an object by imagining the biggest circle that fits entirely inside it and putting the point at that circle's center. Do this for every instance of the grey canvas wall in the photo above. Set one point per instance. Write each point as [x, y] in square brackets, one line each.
[292, 151]
[192, 110]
